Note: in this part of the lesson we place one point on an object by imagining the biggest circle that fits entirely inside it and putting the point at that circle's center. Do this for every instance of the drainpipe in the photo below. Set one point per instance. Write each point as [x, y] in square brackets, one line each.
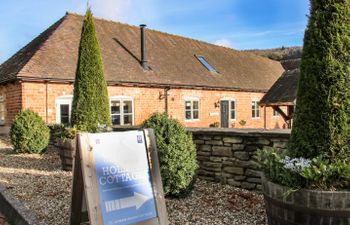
[46, 102]
[166, 98]
[265, 117]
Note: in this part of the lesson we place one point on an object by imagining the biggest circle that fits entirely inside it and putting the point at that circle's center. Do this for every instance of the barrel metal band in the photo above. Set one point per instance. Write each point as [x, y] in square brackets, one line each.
[306, 210]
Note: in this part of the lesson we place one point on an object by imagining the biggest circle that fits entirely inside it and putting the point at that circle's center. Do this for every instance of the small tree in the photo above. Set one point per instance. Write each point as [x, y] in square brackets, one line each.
[322, 119]
[90, 102]
[177, 154]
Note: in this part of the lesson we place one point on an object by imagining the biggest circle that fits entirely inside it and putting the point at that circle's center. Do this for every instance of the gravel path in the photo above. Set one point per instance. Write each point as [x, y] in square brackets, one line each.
[38, 182]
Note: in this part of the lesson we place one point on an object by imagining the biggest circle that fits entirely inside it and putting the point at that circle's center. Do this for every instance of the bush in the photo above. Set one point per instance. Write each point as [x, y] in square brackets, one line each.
[177, 154]
[29, 133]
[90, 108]
[318, 173]
[215, 124]
[60, 131]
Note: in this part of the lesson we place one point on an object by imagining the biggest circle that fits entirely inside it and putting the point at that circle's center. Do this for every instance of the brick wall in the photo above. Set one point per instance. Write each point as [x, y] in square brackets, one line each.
[227, 155]
[12, 94]
[150, 100]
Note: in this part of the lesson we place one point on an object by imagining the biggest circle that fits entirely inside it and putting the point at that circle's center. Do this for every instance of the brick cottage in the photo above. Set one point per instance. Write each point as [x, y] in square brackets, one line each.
[195, 82]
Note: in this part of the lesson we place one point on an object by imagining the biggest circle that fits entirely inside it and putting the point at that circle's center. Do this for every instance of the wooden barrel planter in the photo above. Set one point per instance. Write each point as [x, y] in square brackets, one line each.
[67, 151]
[305, 207]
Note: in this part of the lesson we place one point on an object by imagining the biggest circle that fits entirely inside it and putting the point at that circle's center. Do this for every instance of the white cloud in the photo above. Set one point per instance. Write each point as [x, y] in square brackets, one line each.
[224, 43]
[116, 10]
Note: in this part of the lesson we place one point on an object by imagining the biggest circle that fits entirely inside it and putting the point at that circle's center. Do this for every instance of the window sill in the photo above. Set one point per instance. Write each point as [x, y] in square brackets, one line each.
[193, 120]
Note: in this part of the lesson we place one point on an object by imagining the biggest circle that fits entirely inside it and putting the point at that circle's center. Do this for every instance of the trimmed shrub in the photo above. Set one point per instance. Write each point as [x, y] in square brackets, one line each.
[322, 118]
[90, 108]
[177, 154]
[29, 133]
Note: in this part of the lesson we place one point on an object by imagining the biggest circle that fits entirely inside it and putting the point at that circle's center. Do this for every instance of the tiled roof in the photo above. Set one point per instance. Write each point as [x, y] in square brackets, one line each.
[284, 91]
[291, 64]
[53, 55]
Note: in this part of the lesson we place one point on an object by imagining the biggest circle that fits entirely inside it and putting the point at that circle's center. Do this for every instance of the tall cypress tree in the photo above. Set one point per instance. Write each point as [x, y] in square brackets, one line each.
[322, 119]
[90, 102]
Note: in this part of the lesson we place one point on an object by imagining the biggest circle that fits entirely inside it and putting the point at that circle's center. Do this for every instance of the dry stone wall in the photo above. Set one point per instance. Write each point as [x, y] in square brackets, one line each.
[227, 155]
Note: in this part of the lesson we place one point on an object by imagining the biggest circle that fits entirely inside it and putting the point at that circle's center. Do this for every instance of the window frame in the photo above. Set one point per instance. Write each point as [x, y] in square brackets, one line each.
[2, 101]
[121, 99]
[63, 100]
[255, 108]
[191, 100]
[235, 109]
[206, 64]
[275, 113]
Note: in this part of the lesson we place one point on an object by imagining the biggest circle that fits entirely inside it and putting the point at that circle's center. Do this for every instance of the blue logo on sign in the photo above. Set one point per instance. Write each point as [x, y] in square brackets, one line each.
[139, 139]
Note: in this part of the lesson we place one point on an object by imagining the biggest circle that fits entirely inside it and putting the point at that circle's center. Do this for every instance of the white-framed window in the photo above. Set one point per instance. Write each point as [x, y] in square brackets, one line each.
[232, 110]
[63, 109]
[122, 110]
[275, 113]
[255, 109]
[2, 110]
[191, 108]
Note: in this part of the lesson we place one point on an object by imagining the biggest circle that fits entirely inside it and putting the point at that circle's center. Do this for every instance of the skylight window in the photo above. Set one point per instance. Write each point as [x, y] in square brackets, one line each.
[206, 64]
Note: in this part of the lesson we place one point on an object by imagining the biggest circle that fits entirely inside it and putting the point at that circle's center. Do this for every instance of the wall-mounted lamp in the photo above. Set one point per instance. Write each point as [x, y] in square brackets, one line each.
[161, 95]
[217, 104]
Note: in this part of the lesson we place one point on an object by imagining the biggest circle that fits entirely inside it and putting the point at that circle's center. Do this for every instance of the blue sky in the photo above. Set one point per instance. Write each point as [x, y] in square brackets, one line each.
[239, 24]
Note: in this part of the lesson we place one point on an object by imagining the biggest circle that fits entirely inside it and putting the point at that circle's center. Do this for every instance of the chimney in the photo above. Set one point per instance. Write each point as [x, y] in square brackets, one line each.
[144, 63]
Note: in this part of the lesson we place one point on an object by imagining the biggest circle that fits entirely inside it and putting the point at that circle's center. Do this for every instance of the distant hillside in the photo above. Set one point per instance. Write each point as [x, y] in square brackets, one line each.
[279, 54]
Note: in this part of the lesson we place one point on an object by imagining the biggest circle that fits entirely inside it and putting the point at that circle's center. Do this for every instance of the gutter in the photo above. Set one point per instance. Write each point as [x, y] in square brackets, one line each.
[139, 84]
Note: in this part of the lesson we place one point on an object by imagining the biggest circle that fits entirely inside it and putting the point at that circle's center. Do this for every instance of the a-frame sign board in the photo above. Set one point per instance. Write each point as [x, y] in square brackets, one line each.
[116, 180]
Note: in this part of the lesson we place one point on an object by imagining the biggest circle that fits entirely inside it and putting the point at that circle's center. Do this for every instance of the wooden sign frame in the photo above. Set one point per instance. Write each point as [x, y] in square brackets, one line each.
[85, 205]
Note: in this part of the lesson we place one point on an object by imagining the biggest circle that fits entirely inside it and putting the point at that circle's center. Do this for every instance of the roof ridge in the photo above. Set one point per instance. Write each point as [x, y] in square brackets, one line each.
[246, 52]
[153, 30]
[36, 43]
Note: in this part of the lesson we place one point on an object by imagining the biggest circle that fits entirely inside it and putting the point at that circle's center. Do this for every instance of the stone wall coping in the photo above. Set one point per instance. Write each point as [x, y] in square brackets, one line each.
[15, 212]
[241, 132]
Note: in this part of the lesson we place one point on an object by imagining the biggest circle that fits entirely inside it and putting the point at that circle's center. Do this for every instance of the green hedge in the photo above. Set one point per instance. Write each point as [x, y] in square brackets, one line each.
[177, 154]
[29, 133]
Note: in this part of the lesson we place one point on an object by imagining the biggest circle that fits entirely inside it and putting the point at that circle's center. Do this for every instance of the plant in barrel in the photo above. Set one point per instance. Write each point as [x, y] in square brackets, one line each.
[90, 110]
[318, 155]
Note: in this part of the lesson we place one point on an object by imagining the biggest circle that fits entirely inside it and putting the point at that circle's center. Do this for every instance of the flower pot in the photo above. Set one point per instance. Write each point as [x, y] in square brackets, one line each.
[66, 151]
[305, 207]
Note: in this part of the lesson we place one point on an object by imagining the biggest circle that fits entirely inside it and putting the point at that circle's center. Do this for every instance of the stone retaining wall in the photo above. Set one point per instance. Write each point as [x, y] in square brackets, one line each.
[227, 155]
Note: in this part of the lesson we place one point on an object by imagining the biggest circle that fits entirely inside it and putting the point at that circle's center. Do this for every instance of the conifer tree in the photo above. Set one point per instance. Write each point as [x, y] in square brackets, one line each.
[90, 102]
[322, 119]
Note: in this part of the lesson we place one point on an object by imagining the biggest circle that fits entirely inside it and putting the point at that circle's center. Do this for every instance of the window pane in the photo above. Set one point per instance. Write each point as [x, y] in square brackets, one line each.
[116, 119]
[233, 114]
[64, 108]
[195, 105]
[2, 116]
[115, 107]
[127, 120]
[253, 113]
[205, 63]
[188, 115]
[188, 105]
[195, 114]
[233, 105]
[127, 106]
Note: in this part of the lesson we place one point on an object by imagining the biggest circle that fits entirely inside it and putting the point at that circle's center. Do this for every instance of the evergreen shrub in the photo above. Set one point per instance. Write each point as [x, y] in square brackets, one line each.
[177, 154]
[318, 154]
[29, 133]
[90, 110]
